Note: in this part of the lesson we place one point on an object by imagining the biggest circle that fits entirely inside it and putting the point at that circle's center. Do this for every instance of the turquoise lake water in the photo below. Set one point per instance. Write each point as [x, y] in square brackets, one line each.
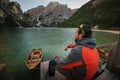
[16, 43]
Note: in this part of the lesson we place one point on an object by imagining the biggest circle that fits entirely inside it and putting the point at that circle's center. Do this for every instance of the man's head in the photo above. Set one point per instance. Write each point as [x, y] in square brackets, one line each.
[83, 31]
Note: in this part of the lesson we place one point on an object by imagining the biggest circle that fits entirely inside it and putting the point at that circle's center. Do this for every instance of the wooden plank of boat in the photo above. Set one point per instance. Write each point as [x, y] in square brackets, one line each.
[34, 58]
[43, 70]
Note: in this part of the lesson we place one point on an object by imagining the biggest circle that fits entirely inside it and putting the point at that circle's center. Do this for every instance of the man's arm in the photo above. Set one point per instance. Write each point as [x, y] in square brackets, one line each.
[72, 60]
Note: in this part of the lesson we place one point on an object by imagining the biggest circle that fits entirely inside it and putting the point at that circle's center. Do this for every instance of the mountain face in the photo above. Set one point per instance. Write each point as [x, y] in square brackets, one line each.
[53, 13]
[11, 14]
[33, 13]
[104, 13]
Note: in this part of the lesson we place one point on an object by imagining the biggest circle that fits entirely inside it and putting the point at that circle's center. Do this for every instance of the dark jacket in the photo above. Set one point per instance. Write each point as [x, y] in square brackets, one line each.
[82, 62]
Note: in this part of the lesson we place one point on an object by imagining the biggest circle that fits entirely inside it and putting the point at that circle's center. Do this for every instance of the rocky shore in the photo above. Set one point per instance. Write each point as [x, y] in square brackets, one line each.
[110, 31]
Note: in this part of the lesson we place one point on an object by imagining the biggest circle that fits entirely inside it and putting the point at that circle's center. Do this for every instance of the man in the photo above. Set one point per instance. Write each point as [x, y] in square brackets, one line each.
[83, 60]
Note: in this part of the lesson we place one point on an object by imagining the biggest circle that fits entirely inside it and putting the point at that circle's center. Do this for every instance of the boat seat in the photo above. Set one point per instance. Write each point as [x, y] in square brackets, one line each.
[36, 55]
[35, 60]
[29, 60]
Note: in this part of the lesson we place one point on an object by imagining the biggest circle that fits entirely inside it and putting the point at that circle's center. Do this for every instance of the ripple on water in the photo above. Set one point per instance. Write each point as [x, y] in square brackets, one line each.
[15, 45]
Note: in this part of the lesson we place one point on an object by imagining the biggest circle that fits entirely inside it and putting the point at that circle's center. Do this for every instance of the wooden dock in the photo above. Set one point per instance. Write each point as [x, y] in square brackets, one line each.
[112, 71]
[43, 70]
[107, 75]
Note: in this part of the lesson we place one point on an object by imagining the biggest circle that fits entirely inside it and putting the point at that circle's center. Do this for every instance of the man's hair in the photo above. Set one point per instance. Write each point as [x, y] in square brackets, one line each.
[85, 30]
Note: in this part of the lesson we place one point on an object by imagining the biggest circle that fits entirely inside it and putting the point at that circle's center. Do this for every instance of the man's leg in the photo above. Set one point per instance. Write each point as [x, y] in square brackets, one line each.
[51, 68]
[52, 64]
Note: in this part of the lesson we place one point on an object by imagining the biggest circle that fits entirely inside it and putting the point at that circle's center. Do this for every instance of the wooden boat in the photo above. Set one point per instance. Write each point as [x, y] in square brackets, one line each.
[34, 58]
[104, 50]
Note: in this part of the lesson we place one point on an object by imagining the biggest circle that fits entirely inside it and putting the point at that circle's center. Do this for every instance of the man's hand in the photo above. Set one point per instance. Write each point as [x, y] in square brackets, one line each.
[65, 48]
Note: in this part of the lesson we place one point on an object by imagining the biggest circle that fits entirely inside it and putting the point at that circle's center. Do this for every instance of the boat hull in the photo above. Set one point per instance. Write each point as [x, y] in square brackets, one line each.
[34, 58]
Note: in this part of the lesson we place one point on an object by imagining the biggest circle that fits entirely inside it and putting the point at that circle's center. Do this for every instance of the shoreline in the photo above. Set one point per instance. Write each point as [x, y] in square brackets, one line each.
[109, 31]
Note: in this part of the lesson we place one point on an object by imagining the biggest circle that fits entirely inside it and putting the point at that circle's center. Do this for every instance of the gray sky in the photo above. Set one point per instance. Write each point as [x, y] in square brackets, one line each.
[28, 4]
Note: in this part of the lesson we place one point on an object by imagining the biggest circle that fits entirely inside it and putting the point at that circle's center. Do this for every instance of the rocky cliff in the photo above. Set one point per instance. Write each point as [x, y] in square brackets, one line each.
[104, 13]
[52, 14]
[11, 14]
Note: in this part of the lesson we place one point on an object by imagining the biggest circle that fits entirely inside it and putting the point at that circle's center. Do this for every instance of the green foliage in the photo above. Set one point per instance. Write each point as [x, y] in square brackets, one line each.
[24, 24]
[54, 24]
[106, 14]
[83, 15]
[9, 21]
[44, 25]
[1, 20]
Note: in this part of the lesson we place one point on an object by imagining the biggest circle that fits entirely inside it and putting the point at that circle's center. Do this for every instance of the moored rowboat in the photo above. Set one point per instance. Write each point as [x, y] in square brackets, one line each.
[34, 58]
